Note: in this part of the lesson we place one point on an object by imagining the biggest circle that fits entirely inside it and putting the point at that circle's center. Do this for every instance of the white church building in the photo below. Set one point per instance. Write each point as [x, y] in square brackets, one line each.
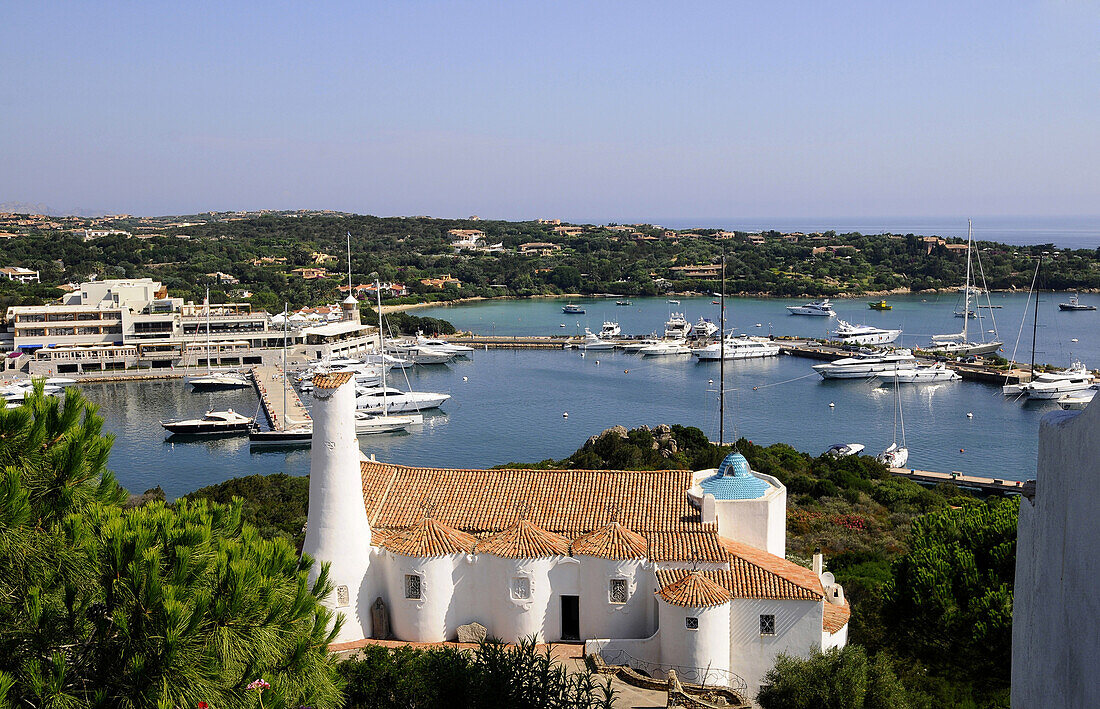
[655, 569]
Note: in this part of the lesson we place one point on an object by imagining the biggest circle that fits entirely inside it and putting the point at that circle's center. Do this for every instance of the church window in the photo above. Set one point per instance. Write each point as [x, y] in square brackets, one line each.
[617, 591]
[521, 588]
[767, 624]
[412, 586]
[691, 623]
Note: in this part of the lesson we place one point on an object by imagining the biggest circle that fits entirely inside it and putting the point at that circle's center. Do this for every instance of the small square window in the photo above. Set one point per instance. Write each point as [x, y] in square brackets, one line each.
[767, 625]
[521, 588]
[412, 586]
[617, 591]
[691, 622]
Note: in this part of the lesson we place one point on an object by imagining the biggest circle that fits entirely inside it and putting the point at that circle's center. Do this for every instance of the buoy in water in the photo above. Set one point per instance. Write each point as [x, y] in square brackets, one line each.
[465, 379]
[831, 404]
[970, 414]
[582, 355]
[565, 415]
[597, 361]
[1074, 340]
[961, 450]
[626, 371]
[710, 381]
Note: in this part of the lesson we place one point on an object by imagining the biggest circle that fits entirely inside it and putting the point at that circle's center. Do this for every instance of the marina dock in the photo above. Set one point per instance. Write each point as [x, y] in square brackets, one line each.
[269, 387]
[929, 477]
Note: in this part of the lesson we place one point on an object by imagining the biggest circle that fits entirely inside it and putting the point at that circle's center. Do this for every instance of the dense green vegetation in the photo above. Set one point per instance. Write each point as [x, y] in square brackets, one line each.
[839, 679]
[598, 260]
[152, 606]
[495, 676]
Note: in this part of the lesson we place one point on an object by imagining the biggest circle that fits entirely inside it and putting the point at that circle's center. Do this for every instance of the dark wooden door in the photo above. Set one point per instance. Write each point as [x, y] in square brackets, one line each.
[570, 618]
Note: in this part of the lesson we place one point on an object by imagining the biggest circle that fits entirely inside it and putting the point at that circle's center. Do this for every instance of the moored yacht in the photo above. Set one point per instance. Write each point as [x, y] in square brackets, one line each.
[419, 354]
[439, 344]
[1075, 304]
[704, 328]
[593, 341]
[864, 334]
[367, 423]
[1075, 371]
[215, 381]
[571, 309]
[609, 330]
[821, 308]
[841, 450]
[395, 400]
[862, 366]
[1076, 378]
[677, 327]
[212, 423]
[738, 348]
[920, 375]
[665, 348]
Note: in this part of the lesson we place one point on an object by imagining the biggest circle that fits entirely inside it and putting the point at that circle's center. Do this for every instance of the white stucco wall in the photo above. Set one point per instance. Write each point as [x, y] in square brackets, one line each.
[797, 630]
[761, 523]
[513, 619]
[434, 617]
[1056, 610]
[602, 619]
[837, 639]
[702, 649]
[338, 531]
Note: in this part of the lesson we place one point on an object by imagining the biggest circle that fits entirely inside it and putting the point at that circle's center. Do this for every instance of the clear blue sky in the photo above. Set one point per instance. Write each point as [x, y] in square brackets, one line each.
[580, 110]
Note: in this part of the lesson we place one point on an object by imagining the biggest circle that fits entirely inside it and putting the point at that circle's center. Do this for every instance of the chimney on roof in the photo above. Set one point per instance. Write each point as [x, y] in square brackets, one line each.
[819, 562]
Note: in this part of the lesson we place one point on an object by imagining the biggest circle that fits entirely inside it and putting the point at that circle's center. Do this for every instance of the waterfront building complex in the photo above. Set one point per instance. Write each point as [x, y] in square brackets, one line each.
[653, 569]
[126, 323]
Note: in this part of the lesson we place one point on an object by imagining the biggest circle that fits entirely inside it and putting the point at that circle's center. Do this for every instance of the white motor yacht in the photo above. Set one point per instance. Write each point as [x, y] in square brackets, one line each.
[862, 366]
[1076, 402]
[396, 401]
[920, 375]
[217, 381]
[420, 354]
[436, 343]
[594, 342]
[677, 327]
[738, 348]
[841, 450]
[367, 423]
[1075, 371]
[864, 334]
[635, 345]
[610, 330]
[390, 361]
[665, 348]
[1076, 378]
[822, 308]
[212, 423]
[705, 328]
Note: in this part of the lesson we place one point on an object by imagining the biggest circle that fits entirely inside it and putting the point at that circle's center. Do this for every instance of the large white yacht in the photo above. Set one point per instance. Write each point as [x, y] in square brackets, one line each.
[677, 327]
[419, 354]
[216, 381]
[864, 334]
[705, 328]
[592, 341]
[738, 348]
[1076, 378]
[908, 374]
[862, 366]
[436, 343]
[396, 401]
[664, 348]
[610, 330]
[1044, 379]
[821, 308]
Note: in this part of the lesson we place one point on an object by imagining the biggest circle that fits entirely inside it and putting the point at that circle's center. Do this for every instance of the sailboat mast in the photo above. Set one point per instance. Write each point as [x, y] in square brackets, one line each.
[286, 310]
[1035, 320]
[966, 294]
[381, 347]
[722, 359]
[209, 369]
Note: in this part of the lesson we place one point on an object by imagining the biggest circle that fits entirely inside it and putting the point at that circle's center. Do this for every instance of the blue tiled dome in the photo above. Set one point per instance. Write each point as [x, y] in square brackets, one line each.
[734, 481]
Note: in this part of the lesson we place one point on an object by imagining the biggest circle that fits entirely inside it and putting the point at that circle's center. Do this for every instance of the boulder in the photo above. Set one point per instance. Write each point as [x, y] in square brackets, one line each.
[472, 633]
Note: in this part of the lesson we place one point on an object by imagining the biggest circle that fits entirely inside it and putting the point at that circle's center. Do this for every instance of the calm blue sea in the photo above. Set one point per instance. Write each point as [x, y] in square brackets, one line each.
[508, 405]
[1077, 232]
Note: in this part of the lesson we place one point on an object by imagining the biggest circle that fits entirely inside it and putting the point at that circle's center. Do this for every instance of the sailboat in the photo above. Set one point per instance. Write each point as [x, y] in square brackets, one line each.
[383, 422]
[299, 435]
[214, 381]
[959, 343]
[896, 456]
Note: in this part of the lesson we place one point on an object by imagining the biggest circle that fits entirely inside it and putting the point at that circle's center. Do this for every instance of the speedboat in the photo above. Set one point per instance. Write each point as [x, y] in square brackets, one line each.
[623, 302]
[212, 423]
[1075, 304]
[216, 381]
[842, 450]
[1076, 402]
[396, 401]
[705, 328]
[822, 308]
[738, 348]
[609, 330]
[862, 366]
[665, 348]
[453, 348]
[921, 375]
[672, 302]
[366, 423]
[571, 309]
[864, 334]
[595, 342]
[677, 327]
[880, 305]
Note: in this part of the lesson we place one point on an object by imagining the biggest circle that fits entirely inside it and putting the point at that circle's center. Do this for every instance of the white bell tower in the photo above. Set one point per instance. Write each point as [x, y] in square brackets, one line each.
[337, 529]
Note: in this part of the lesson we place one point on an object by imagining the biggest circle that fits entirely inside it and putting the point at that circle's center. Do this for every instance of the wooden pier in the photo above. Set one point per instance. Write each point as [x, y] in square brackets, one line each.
[269, 386]
[928, 477]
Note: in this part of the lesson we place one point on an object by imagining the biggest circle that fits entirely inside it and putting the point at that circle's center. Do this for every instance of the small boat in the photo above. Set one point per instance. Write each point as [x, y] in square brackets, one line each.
[636, 345]
[965, 314]
[300, 436]
[1076, 402]
[366, 423]
[1075, 304]
[822, 308]
[842, 450]
[880, 305]
[217, 381]
[571, 309]
[623, 302]
[894, 456]
[665, 348]
[212, 423]
[921, 375]
[715, 302]
[673, 302]
[593, 341]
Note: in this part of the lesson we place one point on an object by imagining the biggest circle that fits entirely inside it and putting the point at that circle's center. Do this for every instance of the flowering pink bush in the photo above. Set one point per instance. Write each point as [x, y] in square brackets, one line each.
[259, 685]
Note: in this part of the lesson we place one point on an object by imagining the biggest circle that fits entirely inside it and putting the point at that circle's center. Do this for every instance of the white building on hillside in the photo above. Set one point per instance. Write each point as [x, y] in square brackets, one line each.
[650, 568]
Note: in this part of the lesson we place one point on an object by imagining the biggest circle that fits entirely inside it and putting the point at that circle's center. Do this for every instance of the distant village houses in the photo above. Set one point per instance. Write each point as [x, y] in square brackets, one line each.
[706, 271]
[441, 282]
[89, 234]
[18, 273]
[542, 248]
[368, 290]
[310, 274]
[223, 278]
[548, 221]
[568, 230]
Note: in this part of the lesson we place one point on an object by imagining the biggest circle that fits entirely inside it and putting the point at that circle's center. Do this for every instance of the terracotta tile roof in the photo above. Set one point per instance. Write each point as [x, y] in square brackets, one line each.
[758, 574]
[524, 540]
[693, 590]
[836, 617]
[428, 537]
[612, 541]
[331, 380]
[699, 544]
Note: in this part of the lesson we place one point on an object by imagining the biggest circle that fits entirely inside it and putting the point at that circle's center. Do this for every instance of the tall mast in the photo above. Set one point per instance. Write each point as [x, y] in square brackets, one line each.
[722, 359]
[966, 295]
[381, 346]
[286, 309]
[1035, 320]
[349, 264]
[209, 369]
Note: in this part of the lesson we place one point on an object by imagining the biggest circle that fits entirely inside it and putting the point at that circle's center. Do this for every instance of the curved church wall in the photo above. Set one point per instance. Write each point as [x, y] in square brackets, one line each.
[601, 616]
[706, 646]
